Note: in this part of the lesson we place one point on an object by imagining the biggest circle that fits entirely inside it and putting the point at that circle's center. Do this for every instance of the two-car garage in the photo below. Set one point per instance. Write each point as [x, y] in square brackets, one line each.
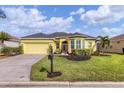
[36, 46]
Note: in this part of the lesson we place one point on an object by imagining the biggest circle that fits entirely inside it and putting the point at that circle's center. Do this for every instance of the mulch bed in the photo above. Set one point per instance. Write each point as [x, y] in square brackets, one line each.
[78, 57]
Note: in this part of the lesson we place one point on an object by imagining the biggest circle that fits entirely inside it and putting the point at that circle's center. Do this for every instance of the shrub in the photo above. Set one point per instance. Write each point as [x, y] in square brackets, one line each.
[81, 51]
[6, 51]
[87, 51]
[73, 52]
[11, 51]
[18, 50]
[57, 51]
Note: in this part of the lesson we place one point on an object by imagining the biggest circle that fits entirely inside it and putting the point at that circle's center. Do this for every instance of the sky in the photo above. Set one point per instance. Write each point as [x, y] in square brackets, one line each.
[92, 20]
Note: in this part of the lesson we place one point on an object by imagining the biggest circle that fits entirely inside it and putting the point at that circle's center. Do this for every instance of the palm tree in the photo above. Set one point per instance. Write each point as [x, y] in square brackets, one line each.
[102, 42]
[4, 36]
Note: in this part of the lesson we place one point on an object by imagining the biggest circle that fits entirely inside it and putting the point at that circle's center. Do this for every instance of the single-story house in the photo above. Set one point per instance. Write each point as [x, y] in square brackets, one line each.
[116, 44]
[12, 42]
[39, 43]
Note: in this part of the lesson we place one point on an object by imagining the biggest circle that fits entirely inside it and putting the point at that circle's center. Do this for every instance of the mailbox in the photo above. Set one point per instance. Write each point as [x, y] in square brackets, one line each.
[50, 57]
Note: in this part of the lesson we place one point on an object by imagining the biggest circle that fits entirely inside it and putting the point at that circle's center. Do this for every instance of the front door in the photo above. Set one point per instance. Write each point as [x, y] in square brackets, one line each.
[64, 47]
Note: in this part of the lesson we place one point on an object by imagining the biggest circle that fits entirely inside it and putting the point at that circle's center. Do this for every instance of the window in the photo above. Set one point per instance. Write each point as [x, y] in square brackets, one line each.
[57, 45]
[78, 44]
[72, 44]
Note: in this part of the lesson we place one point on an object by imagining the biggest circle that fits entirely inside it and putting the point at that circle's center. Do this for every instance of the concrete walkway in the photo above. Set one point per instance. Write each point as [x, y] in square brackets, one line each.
[17, 68]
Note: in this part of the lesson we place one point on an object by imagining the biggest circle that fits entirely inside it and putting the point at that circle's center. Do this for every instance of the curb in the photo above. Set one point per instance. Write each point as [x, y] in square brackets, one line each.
[65, 84]
[34, 84]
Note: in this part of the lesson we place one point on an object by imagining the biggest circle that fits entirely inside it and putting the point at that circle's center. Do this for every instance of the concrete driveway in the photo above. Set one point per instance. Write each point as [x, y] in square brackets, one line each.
[17, 68]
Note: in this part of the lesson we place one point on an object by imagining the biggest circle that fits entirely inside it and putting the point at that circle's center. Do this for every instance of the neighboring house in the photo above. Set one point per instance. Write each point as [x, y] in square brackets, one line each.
[12, 42]
[39, 43]
[116, 44]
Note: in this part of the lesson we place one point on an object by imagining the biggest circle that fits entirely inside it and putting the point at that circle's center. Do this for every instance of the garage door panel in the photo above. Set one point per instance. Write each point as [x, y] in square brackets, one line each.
[36, 48]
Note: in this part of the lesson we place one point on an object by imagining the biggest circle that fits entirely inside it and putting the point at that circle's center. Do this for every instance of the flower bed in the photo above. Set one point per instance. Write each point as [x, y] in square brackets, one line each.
[78, 57]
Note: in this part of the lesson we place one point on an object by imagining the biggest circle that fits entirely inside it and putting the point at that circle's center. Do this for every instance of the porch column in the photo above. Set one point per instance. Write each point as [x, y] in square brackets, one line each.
[74, 43]
[69, 46]
[60, 45]
[81, 44]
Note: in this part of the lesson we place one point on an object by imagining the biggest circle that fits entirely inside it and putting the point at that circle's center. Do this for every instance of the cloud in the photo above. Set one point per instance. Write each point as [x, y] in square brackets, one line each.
[58, 24]
[23, 21]
[78, 12]
[112, 31]
[77, 30]
[104, 15]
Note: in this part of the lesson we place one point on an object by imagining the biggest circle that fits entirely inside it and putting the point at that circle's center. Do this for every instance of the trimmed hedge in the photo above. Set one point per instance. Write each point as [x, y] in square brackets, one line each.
[81, 52]
[11, 51]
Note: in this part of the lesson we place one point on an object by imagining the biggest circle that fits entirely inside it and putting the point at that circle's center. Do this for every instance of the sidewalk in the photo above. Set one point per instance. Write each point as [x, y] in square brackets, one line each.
[65, 84]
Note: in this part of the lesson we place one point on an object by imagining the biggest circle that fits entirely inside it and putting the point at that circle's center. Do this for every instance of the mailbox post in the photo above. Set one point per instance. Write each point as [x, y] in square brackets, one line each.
[50, 57]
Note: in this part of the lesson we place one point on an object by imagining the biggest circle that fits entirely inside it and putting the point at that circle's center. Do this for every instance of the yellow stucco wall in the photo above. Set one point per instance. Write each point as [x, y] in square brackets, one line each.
[40, 46]
[87, 44]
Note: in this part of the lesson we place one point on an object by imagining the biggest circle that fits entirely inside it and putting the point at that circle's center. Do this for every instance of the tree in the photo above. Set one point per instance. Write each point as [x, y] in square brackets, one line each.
[4, 36]
[102, 42]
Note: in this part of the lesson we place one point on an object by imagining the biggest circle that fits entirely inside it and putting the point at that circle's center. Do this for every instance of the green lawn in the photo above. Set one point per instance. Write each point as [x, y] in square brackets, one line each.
[98, 68]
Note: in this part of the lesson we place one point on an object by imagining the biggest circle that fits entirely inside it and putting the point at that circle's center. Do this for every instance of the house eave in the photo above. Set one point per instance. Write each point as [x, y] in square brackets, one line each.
[37, 38]
[90, 38]
[117, 40]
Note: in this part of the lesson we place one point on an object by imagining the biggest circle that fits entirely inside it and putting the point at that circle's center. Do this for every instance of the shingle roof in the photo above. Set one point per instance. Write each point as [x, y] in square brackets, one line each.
[119, 37]
[56, 34]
